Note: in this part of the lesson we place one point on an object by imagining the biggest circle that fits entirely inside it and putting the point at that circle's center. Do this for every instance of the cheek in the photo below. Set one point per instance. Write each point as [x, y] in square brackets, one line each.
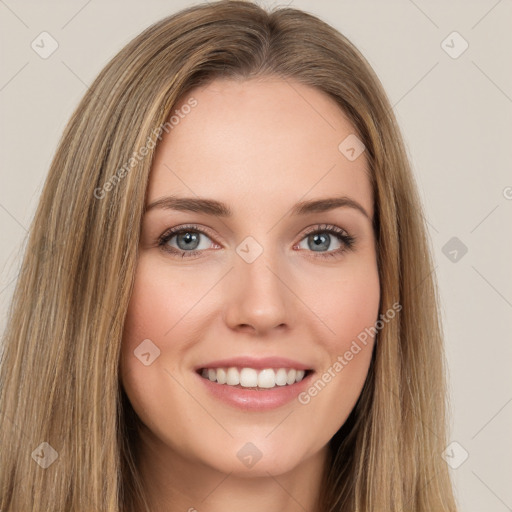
[151, 313]
[159, 301]
[347, 304]
[154, 308]
[349, 309]
[160, 319]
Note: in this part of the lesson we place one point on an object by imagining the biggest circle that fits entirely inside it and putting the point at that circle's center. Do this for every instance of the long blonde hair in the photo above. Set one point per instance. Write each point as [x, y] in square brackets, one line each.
[59, 378]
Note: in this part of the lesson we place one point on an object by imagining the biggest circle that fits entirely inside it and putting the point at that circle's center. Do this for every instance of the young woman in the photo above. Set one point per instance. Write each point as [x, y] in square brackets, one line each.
[227, 295]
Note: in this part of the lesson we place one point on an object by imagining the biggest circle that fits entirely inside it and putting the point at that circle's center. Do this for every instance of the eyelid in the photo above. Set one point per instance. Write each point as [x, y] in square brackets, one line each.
[207, 231]
[324, 227]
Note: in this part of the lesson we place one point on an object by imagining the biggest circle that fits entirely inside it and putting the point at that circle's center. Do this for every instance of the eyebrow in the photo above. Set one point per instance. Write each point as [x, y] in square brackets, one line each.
[219, 209]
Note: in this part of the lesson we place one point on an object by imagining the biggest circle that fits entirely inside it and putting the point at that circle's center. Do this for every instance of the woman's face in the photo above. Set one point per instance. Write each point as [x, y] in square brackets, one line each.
[283, 282]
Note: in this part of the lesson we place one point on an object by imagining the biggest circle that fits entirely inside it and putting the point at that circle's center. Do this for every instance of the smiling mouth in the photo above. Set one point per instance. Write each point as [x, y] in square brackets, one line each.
[252, 379]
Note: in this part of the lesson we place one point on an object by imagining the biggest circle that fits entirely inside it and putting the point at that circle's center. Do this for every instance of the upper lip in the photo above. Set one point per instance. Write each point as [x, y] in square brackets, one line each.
[256, 363]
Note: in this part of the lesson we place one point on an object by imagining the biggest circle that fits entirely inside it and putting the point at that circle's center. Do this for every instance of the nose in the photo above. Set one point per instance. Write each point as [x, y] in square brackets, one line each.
[258, 299]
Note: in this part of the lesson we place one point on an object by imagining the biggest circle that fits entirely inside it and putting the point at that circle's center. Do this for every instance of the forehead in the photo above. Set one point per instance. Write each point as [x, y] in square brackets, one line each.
[257, 142]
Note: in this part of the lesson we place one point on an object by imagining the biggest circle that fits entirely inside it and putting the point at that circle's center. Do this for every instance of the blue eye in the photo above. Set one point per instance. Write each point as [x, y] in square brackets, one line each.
[320, 237]
[188, 241]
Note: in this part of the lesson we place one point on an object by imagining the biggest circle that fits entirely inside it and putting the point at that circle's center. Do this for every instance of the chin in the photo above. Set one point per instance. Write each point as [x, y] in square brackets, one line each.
[251, 459]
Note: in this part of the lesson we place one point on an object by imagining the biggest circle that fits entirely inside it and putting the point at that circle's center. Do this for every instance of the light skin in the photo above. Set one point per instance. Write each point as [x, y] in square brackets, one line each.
[260, 146]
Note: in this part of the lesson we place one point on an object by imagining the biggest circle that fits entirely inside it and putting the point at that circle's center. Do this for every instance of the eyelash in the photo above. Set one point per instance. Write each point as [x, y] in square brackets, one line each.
[347, 240]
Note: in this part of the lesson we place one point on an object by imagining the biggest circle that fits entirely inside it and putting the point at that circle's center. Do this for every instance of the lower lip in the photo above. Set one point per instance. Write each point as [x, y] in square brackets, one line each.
[253, 399]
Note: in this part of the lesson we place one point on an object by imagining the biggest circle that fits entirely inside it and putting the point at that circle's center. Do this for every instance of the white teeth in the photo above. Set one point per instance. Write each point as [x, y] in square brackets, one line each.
[281, 377]
[266, 378]
[248, 378]
[232, 377]
[251, 378]
[221, 376]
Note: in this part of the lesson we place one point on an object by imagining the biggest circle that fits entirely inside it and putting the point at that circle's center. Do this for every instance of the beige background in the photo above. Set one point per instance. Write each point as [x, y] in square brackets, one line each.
[455, 114]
